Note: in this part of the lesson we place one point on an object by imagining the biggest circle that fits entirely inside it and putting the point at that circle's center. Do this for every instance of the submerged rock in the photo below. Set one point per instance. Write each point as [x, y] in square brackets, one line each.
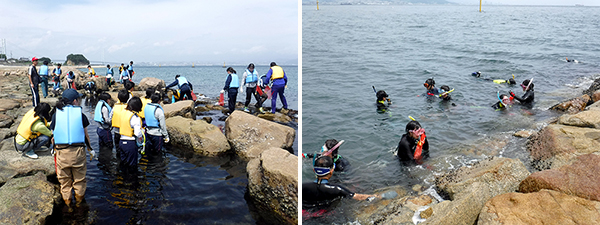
[470, 187]
[183, 108]
[543, 207]
[582, 178]
[273, 185]
[204, 138]
[250, 135]
[27, 200]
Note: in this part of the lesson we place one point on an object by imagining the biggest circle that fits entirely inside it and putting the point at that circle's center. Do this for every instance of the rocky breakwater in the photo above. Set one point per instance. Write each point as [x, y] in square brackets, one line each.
[26, 196]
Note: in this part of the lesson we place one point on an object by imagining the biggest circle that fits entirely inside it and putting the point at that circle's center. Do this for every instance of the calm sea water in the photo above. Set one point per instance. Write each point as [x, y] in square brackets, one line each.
[348, 49]
[178, 186]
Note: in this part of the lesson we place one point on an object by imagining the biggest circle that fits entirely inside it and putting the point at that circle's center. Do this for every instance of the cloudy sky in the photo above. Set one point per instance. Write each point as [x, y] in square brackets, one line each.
[205, 32]
[532, 2]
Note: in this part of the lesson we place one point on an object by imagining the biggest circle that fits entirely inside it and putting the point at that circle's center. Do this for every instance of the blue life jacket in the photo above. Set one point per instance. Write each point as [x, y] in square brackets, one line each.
[69, 126]
[109, 71]
[71, 75]
[251, 77]
[181, 81]
[58, 71]
[98, 111]
[130, 68]
[149, 111]
[235, 81]
[44, 70]
[125, 74]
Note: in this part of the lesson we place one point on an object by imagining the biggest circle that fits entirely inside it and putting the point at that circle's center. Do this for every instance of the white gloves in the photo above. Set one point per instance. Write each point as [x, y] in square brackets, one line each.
[241, 90]
[222, 91]
[167, 140]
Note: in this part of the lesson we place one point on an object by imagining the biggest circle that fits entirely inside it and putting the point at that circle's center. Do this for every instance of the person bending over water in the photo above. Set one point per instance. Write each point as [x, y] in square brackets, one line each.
[413, 146]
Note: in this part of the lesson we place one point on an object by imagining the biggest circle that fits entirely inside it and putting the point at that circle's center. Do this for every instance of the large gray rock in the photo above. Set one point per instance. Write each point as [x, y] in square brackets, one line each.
[13, 163]
[588, 118]
[470, 187]
[181, 108]
[150, 82]
[558, 145]
[543, 207]
[206, 139]
[273, 185]
[27, 200]
[573, 105]
[250, 135]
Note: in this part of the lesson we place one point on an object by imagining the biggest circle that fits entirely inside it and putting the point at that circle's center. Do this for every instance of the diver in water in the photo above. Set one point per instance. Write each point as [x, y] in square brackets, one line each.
[510, 81]
[445, 95]
[322, 193]
[504, 102]
[382, 98]
[528, 98]
[331, 148]
[431, 89]
[413, 146]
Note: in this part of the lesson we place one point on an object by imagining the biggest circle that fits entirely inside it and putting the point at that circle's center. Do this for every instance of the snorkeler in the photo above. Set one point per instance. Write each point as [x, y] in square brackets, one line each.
[510, 81]
[445, 93]
[413, 145]
[320, 192]
[382, 98]
[504, 102]
[528, 97]
[330, 148]
[431, 89]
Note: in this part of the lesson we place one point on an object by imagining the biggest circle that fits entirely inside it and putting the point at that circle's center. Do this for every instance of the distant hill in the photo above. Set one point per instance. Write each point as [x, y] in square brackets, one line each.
[359, 2]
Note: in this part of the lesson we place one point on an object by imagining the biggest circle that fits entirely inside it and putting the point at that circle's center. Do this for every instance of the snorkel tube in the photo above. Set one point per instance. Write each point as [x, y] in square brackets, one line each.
[446, 92]
[328, 152]
[530, 81]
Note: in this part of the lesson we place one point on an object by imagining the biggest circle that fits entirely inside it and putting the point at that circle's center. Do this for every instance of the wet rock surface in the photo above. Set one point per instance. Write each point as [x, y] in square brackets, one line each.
[204, 138]
[27, 200]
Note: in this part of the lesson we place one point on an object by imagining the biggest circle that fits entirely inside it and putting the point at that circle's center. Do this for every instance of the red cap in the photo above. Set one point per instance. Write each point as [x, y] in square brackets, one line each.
[34, 59]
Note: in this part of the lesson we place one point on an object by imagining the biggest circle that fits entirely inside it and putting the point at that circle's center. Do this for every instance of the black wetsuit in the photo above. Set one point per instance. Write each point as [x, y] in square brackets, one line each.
[323, 194]
[527, 98]
[408, 145]
[341, 163]
[499, 106]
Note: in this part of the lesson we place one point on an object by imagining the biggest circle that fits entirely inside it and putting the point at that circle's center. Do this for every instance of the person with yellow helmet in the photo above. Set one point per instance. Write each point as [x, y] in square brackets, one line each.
[33, 132]
[279, 78]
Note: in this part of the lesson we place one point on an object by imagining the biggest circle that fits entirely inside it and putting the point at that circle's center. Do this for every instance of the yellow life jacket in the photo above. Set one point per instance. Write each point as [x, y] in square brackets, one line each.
[117, 114]
[126, 128]
[145, 101]
[277, 72]
[24, 128]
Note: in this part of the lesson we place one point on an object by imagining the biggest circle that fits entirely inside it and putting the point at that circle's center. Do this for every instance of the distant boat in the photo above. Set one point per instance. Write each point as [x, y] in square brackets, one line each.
[224, 66]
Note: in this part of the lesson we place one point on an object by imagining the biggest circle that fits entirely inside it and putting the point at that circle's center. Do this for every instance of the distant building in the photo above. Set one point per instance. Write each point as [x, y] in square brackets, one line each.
[24, 59]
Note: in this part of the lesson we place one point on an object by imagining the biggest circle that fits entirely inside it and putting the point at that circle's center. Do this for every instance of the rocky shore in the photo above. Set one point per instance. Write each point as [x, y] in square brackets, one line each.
[29, 190]
[564, 187]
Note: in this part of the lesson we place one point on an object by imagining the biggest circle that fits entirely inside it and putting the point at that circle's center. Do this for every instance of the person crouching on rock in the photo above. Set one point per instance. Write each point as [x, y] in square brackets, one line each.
[333, 147]
[156, 127]
[70, 140]
[413, 146]
[231, 86]
[184, 86]
[102, 116]
[33, 132]
[131, 132]
[320, 192]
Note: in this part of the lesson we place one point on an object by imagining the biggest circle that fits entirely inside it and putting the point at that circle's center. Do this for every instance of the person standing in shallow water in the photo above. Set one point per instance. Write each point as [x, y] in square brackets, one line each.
[34, 81]
[279, 78]
[70, 140]
[231, 86]
[413, 146]
[249, 80]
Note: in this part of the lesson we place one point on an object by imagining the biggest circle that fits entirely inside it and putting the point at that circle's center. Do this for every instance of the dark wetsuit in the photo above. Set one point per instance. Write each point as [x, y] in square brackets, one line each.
[341, 163]
[314, 194]
[499, 106]
[407, 147]
[526, 99]
[433, 92]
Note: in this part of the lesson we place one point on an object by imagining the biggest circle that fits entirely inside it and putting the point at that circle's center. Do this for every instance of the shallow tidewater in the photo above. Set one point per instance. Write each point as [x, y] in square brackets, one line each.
[349, 49]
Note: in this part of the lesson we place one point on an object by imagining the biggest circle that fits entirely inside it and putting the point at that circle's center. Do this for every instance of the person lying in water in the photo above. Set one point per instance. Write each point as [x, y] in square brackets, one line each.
[510, 81]
[331, 148]
[322, 193]
[529, 96]
[413, 146]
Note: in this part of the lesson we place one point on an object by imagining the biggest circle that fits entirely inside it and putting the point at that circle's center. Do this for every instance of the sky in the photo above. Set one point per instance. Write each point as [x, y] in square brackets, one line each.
[532, 2]
[202, 32]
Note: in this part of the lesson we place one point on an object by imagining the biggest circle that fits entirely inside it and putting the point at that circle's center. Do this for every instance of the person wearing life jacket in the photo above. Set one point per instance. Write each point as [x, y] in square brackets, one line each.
[129, 86]
[156, 127]
[250, 80]
[132, 134]
[184, 86]
[109, 75]
[34, 81]
[431, 89]
[232, 83]
[130, 70]
[124, 76]
[56, 77]
[70, 141]
[71, 80]
[145, 100]
[102, 116]
[341, 163]
[279, 78]
[91, 71]
[529, 96]
[33, 132]
[413, 146]
[115, 117]
[261, 92]
[90, 87]
[321, 193]
[44, 73]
